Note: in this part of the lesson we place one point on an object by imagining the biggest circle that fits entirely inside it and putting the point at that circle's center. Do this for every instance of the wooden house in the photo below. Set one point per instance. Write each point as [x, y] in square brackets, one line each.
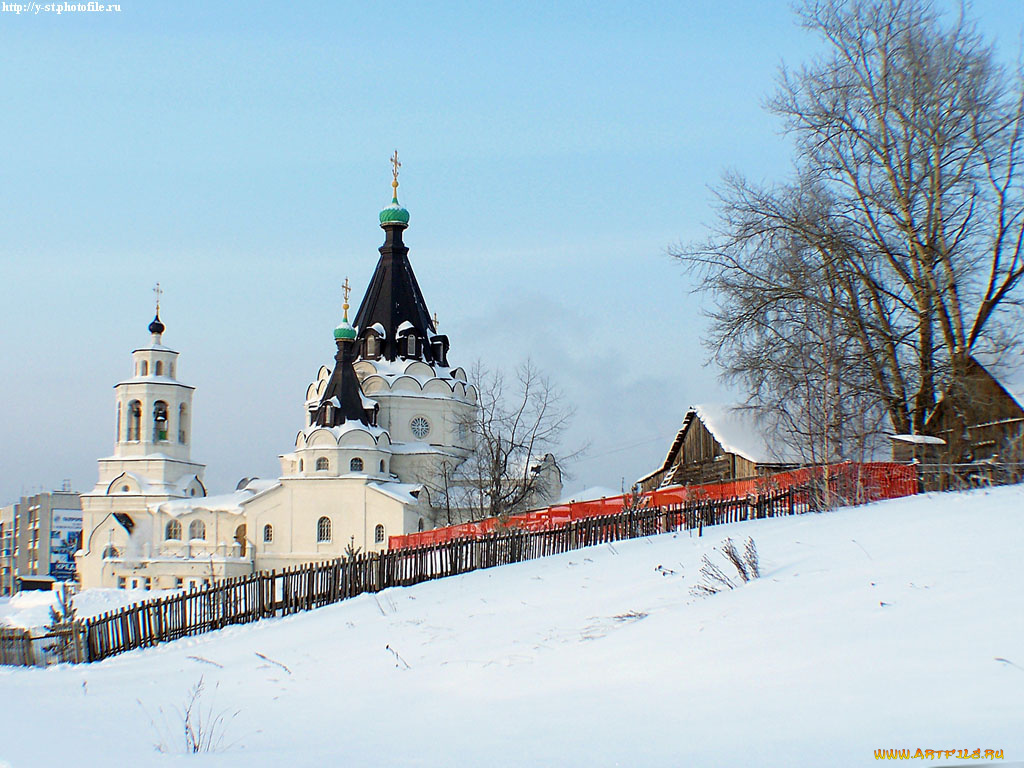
[978, 419]
[720, 442]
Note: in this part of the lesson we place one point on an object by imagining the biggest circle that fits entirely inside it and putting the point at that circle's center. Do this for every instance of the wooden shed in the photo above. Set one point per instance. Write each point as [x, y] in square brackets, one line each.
[978, 419]
[720, 442]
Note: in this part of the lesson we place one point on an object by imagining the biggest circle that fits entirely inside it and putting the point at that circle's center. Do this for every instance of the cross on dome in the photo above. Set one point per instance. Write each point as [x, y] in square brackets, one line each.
[345, 331]
[394, 216]
[395, 165]
[156, 327]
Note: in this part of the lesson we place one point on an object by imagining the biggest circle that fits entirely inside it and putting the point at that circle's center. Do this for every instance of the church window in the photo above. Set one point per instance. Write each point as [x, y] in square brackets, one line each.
[122, 583]
[419, 526]
[110, 551]
[322, 464]
[160, 421]
[411, 348]
[197, 530]
[173, 530]
[300, 465]
[159, 368]
[370, 350]
[125, 489]
[182, 422]
[145, 368]
[134, 419]
[378, 534]
[382, 466]
[420, 427]
[240, 538]
[356, 465]
[268, 533]
[323, 529]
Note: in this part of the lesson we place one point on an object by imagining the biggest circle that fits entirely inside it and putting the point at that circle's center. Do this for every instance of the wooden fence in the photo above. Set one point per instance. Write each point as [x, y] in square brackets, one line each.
[279, 593]
[29, 648]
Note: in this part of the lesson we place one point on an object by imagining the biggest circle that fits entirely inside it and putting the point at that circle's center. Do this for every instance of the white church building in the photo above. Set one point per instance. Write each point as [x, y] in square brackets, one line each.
[377, 426]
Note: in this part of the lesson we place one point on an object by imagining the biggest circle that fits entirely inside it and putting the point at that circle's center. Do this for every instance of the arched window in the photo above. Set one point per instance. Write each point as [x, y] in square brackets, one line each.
[382, 466]
[356, 465]
[323, 529]
[134, 419]
[110, 551]
[159, 368]
[173, 530]
[144, 368]
[160, 421]
[419, 525]
[268, 533]
[182, 423]
[300, 465]
[378, 534]
[197, 530]
[322, 464]
[240, 538]
[411, 341]
[372, 346]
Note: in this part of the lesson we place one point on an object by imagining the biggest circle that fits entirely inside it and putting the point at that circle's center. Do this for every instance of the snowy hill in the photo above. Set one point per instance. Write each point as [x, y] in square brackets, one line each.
[896, 625]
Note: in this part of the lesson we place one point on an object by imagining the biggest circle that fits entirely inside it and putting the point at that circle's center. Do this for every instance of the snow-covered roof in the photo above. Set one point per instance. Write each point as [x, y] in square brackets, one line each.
[153, 379]
[225, 502]
[1007, 370]
[739, 431]
[418, 447]
[155, 348]
[918, 439]
[399, 491]
[348, 426]
[405, 326]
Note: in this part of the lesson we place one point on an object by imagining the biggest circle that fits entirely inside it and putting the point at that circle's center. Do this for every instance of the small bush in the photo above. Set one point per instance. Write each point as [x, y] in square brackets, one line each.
[750, 557]
[200, 727]
[713, 578]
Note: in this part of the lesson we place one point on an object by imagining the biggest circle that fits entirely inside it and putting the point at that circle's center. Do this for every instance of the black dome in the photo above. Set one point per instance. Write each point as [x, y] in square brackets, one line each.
[156, 326]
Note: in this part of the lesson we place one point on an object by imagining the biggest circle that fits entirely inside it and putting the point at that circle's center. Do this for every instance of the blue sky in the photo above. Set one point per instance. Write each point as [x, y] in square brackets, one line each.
[238, 153]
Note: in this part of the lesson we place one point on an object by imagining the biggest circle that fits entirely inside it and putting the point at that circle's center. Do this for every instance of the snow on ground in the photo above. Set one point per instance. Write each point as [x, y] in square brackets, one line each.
[32, 609]
[895, 625]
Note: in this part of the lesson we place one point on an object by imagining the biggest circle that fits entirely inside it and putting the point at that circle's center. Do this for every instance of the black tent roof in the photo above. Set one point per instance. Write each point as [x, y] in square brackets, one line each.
[394, 297]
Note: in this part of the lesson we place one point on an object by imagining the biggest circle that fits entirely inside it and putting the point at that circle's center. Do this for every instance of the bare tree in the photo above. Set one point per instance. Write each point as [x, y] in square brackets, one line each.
[863, 286]
[515, 432]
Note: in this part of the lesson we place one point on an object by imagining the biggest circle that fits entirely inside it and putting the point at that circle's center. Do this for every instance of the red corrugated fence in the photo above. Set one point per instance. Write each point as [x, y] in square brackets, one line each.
[856, 483]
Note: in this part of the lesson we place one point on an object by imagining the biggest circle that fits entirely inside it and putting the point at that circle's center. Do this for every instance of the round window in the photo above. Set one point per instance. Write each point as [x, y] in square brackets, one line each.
[420, 427]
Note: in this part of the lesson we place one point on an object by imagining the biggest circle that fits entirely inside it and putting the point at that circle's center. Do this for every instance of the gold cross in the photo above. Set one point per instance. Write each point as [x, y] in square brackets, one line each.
[436, 324]
[159, 292]
[346, 290]
[395, 165]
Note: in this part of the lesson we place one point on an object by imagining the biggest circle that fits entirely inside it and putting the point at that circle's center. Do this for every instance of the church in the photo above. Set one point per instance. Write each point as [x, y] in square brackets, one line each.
[379, 425]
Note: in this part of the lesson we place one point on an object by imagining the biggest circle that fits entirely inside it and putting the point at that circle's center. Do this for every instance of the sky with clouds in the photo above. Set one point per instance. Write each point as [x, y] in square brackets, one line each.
[238, 153]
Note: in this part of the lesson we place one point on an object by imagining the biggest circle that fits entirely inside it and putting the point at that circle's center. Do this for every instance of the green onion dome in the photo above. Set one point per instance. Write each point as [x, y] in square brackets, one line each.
[345, 331]
[394, 214]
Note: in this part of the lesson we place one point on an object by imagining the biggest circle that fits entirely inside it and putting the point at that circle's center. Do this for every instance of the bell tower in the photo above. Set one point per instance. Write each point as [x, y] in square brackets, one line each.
[153, 433]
